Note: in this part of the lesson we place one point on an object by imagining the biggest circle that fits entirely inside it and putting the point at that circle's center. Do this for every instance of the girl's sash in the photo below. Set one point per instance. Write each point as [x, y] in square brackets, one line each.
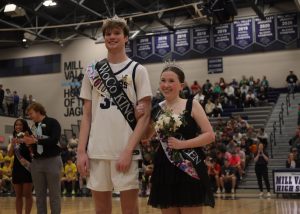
[25, 163]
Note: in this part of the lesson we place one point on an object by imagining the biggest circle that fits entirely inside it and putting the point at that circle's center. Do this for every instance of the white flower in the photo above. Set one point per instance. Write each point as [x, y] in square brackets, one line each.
[166, 120]
[20, 134]
[177, 120]
[43, 125]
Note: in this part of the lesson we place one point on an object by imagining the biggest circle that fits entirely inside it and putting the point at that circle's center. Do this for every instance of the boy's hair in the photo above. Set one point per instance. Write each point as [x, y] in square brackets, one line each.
[37, 107]
[115, 22]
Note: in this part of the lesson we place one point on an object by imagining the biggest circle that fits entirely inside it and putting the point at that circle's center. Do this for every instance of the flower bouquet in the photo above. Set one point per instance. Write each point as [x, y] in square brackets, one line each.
[166, 126]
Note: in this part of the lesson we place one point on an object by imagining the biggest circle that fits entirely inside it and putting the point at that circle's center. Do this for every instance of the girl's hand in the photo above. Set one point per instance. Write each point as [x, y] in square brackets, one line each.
[139, 111]
[174, 143]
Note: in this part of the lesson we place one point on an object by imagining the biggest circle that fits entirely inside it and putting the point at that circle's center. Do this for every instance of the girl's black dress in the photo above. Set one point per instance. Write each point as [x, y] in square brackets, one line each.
[20, 174]
[172, 187]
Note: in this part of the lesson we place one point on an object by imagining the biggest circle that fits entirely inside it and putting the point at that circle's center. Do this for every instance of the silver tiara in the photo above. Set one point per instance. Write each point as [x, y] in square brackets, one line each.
[115, 18]
[172, 63]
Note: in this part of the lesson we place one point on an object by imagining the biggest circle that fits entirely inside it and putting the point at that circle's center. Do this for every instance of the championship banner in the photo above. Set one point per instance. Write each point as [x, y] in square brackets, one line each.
[162, 44]
[144, 47]
[265, 31]
[129, 48]
[286, 181]
[243, 33]
[287, 28]
[182, 43]
[222, 37]
[201, 39]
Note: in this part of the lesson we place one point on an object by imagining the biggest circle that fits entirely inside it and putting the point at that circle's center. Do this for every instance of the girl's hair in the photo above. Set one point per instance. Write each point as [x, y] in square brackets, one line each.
[177, 71]
[25, 127]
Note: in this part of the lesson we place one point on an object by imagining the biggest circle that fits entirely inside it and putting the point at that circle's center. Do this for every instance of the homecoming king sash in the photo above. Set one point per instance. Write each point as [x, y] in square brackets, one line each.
[105, 76]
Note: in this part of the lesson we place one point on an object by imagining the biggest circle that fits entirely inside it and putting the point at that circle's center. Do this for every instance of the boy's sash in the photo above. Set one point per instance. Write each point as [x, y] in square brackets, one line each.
[105, 76]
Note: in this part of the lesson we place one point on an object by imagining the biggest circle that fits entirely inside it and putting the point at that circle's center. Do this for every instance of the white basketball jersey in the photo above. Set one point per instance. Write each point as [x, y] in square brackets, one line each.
[110, 131]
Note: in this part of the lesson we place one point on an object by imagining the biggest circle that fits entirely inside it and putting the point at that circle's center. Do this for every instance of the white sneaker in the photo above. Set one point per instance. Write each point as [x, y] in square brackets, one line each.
[223, 190]
[232, 191]
[269, 195]
[261, 194]
[218, 191]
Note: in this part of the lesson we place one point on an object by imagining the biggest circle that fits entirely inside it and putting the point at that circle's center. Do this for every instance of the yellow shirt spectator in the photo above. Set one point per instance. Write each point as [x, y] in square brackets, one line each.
[6, 171]
[70, 171]
[1, 157]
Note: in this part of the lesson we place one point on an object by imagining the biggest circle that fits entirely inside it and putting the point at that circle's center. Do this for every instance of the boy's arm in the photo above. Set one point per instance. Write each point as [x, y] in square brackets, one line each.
[142, 124]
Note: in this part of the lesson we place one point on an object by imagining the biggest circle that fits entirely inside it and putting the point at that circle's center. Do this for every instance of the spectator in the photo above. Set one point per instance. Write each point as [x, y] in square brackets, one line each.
[242, 156]
[231, 146]
[209, 107]
[186, 91]
[207, 87]
[73, 142]
[237, 137]
[251, 83]
[70, 172]
[16, 103]
[147, 172]
[262, 95]
[261, 169]
[6, 172]
[263, 137]
[238, 99]
[24, 105]
[256, 85]
[295, 152]
[30, 99]
[244, 81]
[9, 100]
[295, 140]
[235, 162]
[217, 91]
[218, 109]
[1, 99]
[214, 171]
[244, 90]
[250, 99]
[227, 175]
[229, 94]
[200, 97]
[195, 88]
[234, 84]
[291, 80]
[265, 83]
[222, 83]
[290, 162]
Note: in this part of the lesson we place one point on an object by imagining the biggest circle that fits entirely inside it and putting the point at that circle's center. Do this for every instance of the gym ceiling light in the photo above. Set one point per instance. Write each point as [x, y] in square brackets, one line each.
[49, 3]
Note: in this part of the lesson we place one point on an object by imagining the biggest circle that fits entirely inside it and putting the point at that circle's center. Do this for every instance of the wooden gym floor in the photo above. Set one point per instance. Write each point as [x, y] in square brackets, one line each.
[247, 203]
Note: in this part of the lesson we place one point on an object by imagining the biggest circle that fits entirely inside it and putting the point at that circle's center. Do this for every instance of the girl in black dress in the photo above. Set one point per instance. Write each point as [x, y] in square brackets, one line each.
[21, 176]
[181, 185]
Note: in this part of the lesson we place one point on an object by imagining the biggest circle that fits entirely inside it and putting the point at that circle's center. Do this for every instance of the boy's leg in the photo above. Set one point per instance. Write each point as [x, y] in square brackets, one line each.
[128, 185]
[102, 201]
[99, 181]
[129, 201]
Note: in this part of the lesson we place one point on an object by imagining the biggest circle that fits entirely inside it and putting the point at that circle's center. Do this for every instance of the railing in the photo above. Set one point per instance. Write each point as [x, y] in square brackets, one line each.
[274, 133]
[287, 103]
[271, 143]
[281, 119]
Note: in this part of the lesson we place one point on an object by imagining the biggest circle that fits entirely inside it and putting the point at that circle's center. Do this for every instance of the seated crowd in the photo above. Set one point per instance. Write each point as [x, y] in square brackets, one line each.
[227, 158]
[246, 93]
